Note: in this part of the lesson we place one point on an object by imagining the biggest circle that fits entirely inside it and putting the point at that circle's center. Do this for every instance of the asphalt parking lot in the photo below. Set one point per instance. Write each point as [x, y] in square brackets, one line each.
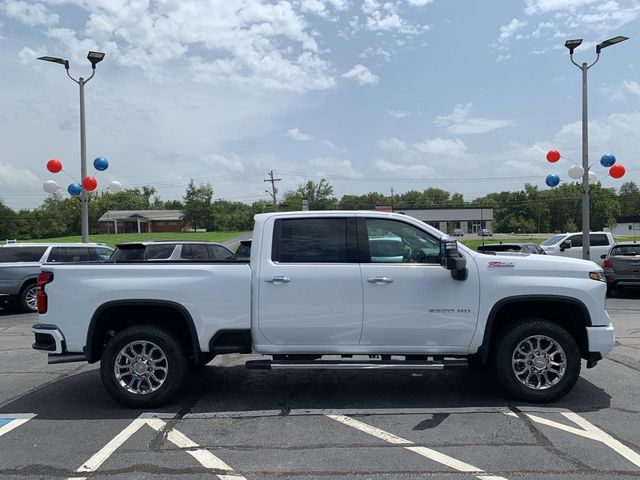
[233, 423]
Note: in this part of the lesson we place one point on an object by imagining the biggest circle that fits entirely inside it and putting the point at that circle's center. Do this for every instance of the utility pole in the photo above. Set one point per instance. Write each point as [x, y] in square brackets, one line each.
[392, 190]
[274, 190]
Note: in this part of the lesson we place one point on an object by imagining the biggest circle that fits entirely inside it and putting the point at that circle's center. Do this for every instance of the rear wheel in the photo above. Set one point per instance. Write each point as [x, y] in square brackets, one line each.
[537, 360]
[143, 366]
[28, 299]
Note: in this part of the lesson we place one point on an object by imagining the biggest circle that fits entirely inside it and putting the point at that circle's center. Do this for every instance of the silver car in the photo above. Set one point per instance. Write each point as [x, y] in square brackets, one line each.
[622, 266]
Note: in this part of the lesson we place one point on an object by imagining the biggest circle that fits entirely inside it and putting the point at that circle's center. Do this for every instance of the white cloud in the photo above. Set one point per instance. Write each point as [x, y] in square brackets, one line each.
[632, 86]
[386, 17]
[596, 15]
[501, 58]
[362, 75]
[319, 7]
[419, 3]
[372, 52]
[230, 163]
[398, 113]
[250, 43]
[334, 166]
[460, 121]
[298, 135]
[29, 13]
[509, 30]
[13, 177]
[403, 170]
[546, 6]
[416, 151]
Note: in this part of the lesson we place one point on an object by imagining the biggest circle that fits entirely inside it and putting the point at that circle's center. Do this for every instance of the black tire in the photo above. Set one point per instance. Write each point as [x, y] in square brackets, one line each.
[511, 337]
[610, 290]
[26, 296]
[165, 384]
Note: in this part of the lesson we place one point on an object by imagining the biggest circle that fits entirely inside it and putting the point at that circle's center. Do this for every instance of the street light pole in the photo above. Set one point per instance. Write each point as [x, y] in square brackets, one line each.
[94, 58]
[572, 45]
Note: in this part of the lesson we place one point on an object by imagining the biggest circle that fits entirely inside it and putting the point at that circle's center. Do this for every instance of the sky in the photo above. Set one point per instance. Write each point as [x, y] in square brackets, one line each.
[464, 95]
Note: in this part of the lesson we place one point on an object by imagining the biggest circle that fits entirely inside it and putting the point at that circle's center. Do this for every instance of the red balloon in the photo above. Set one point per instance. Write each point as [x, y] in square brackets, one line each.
[54, 166]
[553, 156]
[617, 171]
[89, 183]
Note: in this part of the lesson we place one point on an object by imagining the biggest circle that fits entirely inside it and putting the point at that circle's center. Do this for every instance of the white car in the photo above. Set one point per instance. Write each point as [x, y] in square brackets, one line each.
[570, 245]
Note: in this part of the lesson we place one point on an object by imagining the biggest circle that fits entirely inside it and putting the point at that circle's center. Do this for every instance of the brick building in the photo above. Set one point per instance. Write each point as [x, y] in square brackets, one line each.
[139, 221]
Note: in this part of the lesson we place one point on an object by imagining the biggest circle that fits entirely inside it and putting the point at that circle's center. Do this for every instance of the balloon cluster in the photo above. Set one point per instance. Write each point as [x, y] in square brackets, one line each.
[608, 160]
[88, 184]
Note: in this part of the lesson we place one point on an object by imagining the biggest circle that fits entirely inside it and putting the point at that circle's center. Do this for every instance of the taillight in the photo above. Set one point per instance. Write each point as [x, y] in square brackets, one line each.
[607, 264]
[43, 279]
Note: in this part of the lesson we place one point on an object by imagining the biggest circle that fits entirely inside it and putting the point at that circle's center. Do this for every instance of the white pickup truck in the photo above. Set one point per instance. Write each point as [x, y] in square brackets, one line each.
[369, 289]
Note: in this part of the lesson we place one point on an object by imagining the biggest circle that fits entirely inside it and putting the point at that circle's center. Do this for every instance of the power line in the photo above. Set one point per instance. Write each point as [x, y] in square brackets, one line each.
[274, 190]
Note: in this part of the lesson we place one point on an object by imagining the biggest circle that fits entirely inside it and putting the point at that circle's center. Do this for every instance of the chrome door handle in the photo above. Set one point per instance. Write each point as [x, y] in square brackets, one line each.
[278, 279]
[379, 280]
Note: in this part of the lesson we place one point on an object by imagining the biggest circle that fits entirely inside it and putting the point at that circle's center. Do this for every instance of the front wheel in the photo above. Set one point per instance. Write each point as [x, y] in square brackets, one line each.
[537, 360]
[143, 366]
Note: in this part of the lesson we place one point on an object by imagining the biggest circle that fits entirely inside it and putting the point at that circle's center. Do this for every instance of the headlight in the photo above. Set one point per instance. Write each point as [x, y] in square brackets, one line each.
[597, 276]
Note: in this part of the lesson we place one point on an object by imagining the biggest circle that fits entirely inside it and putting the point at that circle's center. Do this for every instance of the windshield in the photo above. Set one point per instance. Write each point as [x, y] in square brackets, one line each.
[626, 250]
[552, 240]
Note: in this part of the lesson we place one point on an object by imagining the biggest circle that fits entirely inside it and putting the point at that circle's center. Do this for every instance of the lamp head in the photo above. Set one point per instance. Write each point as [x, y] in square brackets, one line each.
[609, 42]
[572, 44]
[61, 61]
[94, 58]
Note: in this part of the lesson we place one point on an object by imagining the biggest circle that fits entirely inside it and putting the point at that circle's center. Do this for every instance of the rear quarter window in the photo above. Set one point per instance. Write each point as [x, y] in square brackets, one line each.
[311, 240]
[21, 254]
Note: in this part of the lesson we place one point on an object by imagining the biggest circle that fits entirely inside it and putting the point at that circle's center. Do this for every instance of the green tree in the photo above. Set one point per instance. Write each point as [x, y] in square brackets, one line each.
[629, 197]
[197, 205]
[319, 195]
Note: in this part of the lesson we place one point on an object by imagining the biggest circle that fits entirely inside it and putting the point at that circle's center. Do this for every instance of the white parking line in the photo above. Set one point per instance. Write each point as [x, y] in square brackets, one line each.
[588, 430]
[207, 459]
[408, 444]
[11, 421]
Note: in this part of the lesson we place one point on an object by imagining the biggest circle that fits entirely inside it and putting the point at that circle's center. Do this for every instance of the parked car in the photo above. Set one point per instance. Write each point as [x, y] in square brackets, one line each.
[485, 232]
[622, 266]
[494, 248]
[457, 232]
[167, 250]
[20, 264]
[570, 245]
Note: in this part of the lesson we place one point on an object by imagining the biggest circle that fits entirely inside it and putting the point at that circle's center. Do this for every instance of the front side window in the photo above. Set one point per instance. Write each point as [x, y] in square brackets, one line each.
[552, 240]
[194, 252]
[218, 252]
[311, 240]
[103, 253]
[390, 241]
[576, 240]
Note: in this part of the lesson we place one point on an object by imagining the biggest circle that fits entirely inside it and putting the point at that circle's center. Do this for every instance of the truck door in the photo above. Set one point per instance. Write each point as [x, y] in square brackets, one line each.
[309, 284]
[409, 299]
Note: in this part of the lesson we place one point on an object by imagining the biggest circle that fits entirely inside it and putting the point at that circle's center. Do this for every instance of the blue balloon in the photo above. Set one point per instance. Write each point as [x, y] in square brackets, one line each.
[552, 180]
[101, 164]
[74, 189]
[607, 160]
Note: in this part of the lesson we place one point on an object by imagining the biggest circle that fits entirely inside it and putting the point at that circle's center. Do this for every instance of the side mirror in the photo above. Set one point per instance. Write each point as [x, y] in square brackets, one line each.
[452, 259]
[564, 245]
[603, 256]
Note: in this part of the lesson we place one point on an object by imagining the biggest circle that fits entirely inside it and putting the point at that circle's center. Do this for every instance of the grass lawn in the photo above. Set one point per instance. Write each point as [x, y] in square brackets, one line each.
[113, 239]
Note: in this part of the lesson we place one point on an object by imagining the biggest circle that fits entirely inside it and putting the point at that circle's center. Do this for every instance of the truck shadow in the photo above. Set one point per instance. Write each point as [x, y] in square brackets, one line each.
[234, 388]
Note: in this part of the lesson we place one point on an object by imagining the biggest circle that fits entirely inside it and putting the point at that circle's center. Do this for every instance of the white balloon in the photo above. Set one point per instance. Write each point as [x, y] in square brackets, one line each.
[593, 178]
[50, 186]
[115, 186]
[576, 172]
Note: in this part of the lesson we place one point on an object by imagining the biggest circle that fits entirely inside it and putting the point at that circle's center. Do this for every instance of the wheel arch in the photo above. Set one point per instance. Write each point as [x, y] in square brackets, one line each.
[118, 314]
[568, 312]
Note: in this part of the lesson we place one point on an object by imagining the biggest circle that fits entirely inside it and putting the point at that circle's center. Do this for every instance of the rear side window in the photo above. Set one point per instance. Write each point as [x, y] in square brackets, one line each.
[218, 252]
[598, 240]
[103, 253]
[21, 254]
[128, 254]
[311, 240]
[159, 252]
[72, 254]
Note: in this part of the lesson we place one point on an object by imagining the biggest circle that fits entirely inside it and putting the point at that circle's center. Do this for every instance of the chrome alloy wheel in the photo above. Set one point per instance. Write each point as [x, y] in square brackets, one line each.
[141, 367]
[31, 298]
[539, 362]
